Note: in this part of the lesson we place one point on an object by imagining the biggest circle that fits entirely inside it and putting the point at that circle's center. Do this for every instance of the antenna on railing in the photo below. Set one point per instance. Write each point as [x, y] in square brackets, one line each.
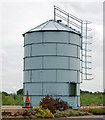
[81, 26]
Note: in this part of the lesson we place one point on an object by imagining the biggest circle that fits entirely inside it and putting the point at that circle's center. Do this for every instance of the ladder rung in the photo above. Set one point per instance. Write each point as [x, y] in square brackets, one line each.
[86, 74]
[86, 43]
[88, 79]
[87, 37]
[86, 68]
[85, 61]
[87, 55]
[87, 50]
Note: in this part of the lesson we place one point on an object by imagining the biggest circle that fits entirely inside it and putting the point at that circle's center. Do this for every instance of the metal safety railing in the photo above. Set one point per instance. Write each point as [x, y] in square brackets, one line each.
[80, 26]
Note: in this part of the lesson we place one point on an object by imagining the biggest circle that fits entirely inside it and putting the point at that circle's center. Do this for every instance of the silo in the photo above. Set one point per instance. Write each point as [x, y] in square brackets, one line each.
[52, 63]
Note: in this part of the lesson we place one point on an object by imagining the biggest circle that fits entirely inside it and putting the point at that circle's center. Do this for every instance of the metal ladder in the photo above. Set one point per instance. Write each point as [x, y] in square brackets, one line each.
[81, 27]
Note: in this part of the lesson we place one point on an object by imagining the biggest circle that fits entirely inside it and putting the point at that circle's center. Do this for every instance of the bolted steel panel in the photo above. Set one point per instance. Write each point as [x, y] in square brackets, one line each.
[75, 39]
[78, 51]
[66, 76]
[35, 37]
[43, 75]
[35, 100]
[43, 49]
[78, 89]
[56, 37]
[33, 63]
[67, 50]
[27, 75]
[55, 89]
[33, 88]
[51, 63]
[55, 62]
[75, 63]
[27, 51]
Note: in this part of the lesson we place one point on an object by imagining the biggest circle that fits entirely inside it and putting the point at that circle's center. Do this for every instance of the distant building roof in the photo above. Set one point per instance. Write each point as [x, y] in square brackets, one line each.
[52, 25]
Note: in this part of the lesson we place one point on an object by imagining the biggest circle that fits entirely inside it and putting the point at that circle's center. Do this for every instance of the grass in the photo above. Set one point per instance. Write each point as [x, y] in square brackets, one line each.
[95, 111]
[12, 99]
[70, 112]
[81, 112]
[88, 99]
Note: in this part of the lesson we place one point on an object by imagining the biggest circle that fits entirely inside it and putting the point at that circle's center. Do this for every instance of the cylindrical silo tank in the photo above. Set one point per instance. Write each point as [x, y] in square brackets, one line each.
[52, 63]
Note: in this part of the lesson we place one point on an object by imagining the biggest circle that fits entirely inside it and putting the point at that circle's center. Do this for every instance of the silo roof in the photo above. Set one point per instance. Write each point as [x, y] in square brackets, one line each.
[54, 26]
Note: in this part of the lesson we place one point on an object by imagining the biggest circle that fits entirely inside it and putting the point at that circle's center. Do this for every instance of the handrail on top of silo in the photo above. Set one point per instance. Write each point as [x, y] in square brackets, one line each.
[81, 25]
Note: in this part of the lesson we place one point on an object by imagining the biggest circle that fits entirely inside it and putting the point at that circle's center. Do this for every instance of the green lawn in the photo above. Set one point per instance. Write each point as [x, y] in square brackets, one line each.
[88, 99]
[12, 99]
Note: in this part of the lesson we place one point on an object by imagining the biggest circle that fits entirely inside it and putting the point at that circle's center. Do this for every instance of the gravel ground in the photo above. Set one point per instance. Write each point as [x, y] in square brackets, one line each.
[11, 107]
[92, 117]
[55, 119]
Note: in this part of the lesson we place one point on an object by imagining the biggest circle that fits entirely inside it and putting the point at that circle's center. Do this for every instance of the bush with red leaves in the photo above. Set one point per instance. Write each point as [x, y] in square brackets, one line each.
[54, 104]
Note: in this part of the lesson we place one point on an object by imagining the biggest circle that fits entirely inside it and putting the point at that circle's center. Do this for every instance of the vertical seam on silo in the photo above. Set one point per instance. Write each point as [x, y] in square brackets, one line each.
[42, 88]
[31, 50]
[24, 63]
[77, 76]
[42, 37]
[56, 75]
[77, 51]
[69, 88]
[68, 62]
[43, 62]
[24, 40]
[30, 75]
[68, 37]
[56, 49]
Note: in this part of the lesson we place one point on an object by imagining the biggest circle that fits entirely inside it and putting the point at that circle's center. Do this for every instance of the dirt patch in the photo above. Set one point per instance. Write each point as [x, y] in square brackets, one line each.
[22, 113]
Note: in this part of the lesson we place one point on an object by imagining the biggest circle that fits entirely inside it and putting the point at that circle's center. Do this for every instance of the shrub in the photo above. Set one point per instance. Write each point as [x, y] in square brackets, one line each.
[94, 99]
[20, 92]
[95, 111]
[54, 104]
[59, 114]
[70, 112]
[5, 93]
[43, 113]
[12, 99]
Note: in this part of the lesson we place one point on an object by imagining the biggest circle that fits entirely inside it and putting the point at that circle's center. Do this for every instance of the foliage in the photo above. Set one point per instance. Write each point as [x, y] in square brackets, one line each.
[94, 99]
[95, 111]
[70, 112]
[5, 93]
[12, 99]
[20, 92]
[104, 99]
[43, 113]
[53, 104]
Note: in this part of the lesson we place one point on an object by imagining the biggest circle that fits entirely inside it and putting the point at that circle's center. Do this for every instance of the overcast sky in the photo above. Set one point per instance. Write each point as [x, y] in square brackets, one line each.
[19, 17]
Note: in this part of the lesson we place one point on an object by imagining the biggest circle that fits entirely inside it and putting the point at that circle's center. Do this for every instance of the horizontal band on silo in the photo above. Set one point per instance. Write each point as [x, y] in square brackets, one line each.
[51, 43]
[52, 56]
[49, 88]
[51, 76]
[52, 36]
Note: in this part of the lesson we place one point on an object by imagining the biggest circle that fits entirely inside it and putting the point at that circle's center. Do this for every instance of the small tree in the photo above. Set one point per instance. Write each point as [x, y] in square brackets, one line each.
[54, 104]
[20, 92]
[5, 93]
